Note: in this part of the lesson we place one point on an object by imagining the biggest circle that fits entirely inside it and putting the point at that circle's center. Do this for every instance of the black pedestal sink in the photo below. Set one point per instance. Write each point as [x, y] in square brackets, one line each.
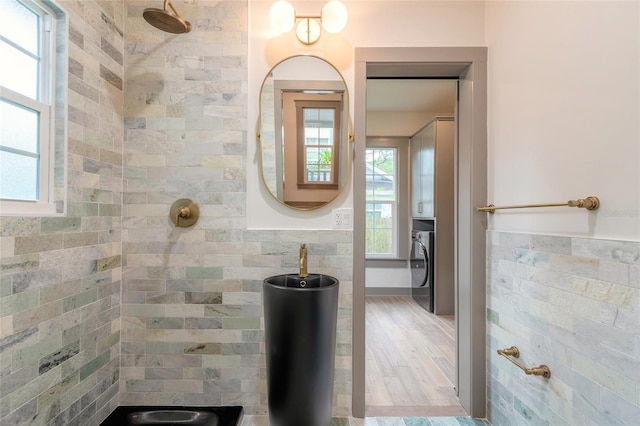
[300, 318]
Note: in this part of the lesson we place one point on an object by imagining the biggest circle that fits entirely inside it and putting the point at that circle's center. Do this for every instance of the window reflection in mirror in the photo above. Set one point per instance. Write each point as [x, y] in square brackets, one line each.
[303, 132]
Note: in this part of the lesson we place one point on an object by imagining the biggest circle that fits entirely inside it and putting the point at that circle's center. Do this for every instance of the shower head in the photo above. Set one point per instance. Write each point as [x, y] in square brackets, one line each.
[163, 20]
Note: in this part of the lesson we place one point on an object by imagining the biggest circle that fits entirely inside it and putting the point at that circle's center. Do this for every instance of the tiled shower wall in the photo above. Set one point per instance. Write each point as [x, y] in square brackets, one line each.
[60, 276]
[572, 304]
[192, 328]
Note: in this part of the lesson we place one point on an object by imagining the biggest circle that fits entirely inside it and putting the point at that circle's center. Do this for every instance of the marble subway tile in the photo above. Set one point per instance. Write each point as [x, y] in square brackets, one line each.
[50, 225]
[22, 414]
[205, 323]
[202, 348]
[35, 279]
[33, 244]
[204, 298]
[38, 315]
[164, 323]
[618, 251]
[202, 273]
[58, 357]
[551, 244]
[19, 302]
[583, 330]
[19, 226]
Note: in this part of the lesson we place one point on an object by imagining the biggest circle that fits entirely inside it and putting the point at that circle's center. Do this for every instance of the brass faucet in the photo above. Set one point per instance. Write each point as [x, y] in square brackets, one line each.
[303, 262]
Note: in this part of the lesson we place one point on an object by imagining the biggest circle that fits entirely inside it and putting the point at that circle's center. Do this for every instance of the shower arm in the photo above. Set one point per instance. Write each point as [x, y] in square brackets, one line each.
[167, 3]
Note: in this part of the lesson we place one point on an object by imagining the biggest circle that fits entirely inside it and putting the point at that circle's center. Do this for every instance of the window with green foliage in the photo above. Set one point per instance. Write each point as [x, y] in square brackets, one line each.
[319, 140]
[28, 93]
[381, 202]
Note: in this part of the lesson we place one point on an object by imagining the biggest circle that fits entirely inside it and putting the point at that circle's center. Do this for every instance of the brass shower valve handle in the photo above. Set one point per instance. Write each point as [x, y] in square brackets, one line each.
[184, 213]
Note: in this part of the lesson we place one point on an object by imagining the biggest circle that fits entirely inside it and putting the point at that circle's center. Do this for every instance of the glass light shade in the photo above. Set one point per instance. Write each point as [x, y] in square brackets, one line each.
[308, 30]
[282, 16]
[334, 16]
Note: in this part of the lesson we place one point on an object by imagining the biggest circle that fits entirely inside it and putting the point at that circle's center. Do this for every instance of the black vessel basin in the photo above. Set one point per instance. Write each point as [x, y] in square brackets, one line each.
[296, 281]
[174, 416]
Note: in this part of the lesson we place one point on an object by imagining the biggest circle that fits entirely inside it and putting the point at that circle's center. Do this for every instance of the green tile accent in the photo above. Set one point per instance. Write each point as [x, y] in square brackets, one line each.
[202, 273]
[240, 348]
[493, 316]
[202, 373]
[96, 195]
[203, 322]
[144, 385]
[37, 243]
[143, 310]
[110, 341]
[184, 285]
[93, 365]
[82, 209]
[412, 421]
[163, 348]
[241, 323]
[19, 302]
[110, 210]
[80, 239]
[165, 323]
[84, 298]
[91, 281]
[108, 395]
[5, 287]
[55, 225]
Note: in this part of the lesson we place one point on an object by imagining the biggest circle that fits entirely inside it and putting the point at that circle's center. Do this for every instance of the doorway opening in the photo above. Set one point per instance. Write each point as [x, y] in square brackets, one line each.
[409, 248]
[468, 66]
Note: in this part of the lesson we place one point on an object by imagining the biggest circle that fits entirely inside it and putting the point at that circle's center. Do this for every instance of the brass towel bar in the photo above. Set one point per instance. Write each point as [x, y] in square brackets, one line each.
[589, 203]
[542, 370]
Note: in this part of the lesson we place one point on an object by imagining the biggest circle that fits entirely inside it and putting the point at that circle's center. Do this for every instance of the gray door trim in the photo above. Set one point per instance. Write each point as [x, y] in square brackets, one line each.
[469, 65]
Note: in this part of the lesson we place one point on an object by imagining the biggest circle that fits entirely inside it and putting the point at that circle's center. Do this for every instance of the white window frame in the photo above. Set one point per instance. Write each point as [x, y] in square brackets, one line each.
[393, 203]
[45, 107]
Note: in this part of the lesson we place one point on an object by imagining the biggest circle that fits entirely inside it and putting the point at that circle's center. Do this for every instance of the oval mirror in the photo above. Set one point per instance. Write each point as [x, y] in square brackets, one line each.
[304, 132]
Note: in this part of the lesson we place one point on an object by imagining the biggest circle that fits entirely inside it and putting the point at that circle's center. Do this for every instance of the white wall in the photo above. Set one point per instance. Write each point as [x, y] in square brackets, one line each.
[563, 115]
[388, 277]
[399, 123]
[371, 24]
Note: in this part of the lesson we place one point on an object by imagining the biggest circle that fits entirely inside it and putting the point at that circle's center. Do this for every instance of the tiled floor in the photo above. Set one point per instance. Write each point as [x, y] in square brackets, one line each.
[385, 421]
[424, 421]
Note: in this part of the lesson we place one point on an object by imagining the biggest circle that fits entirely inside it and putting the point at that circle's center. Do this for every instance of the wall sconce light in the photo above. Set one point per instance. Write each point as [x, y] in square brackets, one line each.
[283, 17]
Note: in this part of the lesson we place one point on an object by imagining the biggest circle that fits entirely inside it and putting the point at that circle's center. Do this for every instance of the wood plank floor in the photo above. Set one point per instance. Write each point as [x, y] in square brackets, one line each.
[410, 360]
